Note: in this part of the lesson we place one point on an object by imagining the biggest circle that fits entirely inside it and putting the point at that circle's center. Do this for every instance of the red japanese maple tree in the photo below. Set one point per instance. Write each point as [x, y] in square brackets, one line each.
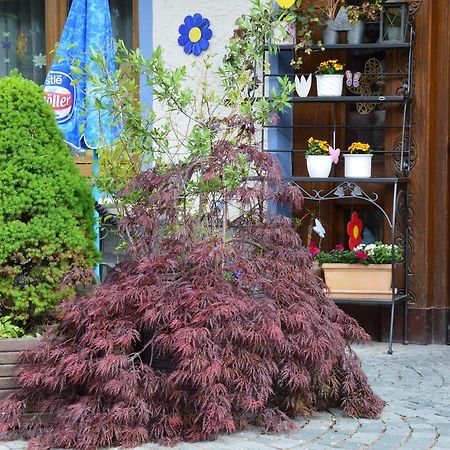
[214, 320]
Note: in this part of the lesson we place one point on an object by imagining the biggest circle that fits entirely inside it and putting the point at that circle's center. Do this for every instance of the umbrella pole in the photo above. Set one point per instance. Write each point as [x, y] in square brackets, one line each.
[96, 194]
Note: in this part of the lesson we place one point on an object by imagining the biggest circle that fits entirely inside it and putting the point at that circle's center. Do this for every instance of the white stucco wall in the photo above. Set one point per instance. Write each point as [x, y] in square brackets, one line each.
[168, 15]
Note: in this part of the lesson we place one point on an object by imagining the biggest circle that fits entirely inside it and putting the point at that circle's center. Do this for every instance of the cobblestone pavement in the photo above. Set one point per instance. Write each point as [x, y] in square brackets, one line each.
[414, 381]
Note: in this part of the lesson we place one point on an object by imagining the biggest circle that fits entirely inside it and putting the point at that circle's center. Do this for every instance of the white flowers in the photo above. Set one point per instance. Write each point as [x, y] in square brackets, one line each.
[370, 249]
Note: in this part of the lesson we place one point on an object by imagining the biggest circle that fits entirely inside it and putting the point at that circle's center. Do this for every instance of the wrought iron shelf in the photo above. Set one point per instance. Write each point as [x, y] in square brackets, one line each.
[371, 46]
[394, 180]
[371, 301]
[395, 205]
[352, 99]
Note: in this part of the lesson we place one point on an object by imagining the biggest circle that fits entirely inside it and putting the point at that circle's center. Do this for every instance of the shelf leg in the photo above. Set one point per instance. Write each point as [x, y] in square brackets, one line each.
[391, 328]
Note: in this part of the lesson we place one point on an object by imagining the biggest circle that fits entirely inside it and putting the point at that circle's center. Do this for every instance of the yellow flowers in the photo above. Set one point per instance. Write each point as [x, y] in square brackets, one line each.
[359, 147]
[330, 67]
[285, 4]
[317, 147]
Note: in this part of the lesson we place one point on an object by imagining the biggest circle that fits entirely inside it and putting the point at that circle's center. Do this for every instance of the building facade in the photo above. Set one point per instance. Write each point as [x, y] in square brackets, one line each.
[30, 29]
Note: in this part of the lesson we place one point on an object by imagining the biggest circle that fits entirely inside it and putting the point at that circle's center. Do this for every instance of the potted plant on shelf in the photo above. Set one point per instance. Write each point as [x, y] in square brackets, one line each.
[330, 34]
[358, 162]
[330, 77]
[364, 272]
[319, 158]
[357, 16]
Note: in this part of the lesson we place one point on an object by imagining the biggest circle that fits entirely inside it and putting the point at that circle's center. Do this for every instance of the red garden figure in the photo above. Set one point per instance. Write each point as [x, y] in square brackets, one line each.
[214, 321]
[354, 231]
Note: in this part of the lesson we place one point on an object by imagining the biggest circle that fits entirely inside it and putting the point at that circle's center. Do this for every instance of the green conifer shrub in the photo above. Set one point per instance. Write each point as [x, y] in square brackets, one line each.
[46, 208]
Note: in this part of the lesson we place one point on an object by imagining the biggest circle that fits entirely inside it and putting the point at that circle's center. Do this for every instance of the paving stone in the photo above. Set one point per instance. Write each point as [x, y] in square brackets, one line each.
[415, 382]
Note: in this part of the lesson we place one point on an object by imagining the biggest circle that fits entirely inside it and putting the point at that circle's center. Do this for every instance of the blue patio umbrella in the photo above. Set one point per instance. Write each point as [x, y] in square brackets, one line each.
[88, 26]
[72, 97]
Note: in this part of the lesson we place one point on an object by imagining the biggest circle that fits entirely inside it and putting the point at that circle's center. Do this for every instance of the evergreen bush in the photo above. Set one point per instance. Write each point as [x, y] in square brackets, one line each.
[46, 208]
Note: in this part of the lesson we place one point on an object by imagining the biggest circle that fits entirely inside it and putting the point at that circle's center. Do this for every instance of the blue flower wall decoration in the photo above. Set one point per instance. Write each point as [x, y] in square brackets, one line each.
[194, 34]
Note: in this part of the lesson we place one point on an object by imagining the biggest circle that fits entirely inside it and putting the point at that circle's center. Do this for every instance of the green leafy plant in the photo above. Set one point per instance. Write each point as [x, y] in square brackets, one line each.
[377, 253]
[46, 208]
[367, 11]
[8, 329]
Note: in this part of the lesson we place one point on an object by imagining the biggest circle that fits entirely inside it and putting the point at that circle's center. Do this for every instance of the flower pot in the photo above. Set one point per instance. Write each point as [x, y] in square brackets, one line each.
[358, 166]
[358, 280]
[329, 85]
[329, 35]
[319, 166]
[317, 270]
[290, 39]
[356, 33]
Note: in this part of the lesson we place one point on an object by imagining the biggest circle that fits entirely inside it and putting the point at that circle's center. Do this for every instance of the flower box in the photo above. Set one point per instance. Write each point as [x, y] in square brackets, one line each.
[368, 281]
[10, 350]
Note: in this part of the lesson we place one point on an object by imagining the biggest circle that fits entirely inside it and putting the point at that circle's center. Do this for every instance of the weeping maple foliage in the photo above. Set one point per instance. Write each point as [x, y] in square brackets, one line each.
[213, 323]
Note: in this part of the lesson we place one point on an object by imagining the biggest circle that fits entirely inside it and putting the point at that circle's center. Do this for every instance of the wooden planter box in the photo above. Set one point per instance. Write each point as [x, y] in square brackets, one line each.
[373, 281]
[9, 352]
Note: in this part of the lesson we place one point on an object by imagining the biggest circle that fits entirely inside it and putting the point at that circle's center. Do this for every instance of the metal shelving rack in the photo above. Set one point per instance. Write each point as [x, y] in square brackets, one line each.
[351, 188]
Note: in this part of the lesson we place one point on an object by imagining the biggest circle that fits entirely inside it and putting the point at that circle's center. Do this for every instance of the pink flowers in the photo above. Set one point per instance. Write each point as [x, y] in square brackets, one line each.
[361, 255]
[313, 249]
[339, 247]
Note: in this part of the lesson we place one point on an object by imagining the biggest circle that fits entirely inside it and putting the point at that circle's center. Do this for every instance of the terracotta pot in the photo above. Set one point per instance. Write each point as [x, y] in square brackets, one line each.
[317, 270]
[358, 280]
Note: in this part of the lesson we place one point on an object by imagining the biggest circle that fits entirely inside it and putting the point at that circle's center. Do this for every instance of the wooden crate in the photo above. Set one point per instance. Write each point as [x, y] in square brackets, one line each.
[9, 352]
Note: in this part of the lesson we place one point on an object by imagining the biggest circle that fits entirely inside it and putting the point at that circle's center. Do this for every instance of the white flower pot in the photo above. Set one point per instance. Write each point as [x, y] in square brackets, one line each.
[358, 166]
[329, 85]
[319, 166]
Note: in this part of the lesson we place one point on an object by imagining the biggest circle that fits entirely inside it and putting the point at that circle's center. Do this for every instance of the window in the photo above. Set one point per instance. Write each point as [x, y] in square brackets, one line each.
[22, 37]
[29, 30]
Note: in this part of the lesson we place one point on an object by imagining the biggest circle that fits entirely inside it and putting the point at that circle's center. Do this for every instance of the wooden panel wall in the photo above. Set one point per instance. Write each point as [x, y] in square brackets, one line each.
[55, 18]
[428, 320]
[430, 177]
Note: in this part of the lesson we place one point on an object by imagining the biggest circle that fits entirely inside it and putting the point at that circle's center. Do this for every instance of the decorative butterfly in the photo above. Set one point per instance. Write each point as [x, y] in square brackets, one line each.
[318, 228]
[303, 85]
[334, 153]
[352, 79]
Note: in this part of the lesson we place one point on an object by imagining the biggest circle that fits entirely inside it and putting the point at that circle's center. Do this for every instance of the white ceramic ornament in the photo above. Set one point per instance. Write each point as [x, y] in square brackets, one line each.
[303, 85]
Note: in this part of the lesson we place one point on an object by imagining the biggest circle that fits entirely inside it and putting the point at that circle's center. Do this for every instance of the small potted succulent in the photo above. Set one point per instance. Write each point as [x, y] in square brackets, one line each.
[320, 157]
[358, 161]
[364, 272]
[330, 77]
[357, 16]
